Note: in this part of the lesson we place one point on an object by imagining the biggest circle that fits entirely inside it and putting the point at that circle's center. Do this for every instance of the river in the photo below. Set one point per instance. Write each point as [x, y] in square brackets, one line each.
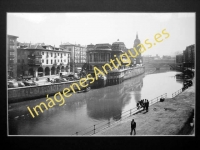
[83, 110]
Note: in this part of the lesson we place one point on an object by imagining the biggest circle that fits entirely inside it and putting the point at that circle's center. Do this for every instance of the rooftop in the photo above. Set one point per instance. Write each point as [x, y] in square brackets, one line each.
[12, 36]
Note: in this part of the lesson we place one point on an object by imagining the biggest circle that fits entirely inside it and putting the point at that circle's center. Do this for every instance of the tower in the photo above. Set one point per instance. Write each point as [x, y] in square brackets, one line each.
[136, 43]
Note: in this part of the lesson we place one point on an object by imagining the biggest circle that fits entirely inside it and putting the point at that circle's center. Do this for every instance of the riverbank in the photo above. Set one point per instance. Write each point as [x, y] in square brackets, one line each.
[153, 70]
[171, 117]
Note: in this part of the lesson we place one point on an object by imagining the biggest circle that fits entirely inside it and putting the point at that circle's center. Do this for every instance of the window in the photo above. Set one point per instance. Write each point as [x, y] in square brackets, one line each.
[47, 61]
[42, 60]
[58, 60]
[61, 60]
[51, 61]
[95, 57]
[58, 54]
[90, 57]
[64, 60]
[102, 57]
[51, 54]
[55, 60]
[47, 53]
[64, 54]
[42, 53]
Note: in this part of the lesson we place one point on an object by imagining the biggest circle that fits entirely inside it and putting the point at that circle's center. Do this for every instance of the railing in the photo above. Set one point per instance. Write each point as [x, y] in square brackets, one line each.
[106, 124]
[177, 92]
[32, 56]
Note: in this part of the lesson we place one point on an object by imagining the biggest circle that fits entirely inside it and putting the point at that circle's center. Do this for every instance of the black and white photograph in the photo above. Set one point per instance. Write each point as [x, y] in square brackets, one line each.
[101, 74]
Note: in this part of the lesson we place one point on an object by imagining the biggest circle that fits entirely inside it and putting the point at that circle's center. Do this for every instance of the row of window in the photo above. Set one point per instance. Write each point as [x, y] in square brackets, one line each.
[43, 61]
[54, 53]
[12, 47]
[12, 53]
[47, 61]
[99, 57]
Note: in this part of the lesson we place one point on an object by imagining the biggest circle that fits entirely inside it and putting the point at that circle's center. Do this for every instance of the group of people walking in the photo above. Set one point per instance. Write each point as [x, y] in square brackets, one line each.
[144, 103]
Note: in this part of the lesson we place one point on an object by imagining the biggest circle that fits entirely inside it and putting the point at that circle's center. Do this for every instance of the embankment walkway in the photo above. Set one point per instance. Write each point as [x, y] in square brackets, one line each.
[171, 117]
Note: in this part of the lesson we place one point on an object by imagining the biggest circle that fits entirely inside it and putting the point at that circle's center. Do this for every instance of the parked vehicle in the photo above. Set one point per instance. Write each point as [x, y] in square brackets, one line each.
[28, 83]
[12, 84]
[21, 84]
[69, 77]
[187, 83]
[63, 80]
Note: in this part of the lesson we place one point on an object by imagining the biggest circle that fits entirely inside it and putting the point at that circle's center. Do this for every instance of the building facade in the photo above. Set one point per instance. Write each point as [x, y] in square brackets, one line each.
[147, 59]
[77, 57]
[179, 58]
[136, 43]
[189, 56]
[100, 54]
[12, 56]
[37, 60]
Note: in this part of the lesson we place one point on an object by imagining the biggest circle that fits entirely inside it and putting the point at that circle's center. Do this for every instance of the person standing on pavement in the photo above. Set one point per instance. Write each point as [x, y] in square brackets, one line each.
[133, 126]
[147, 106]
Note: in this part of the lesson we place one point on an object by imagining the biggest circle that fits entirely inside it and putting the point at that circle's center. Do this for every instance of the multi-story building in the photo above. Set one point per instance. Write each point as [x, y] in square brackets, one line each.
[42, 60]
[147, 59]
[12, 55]
[179, 58]
[189, 56]
[139, 58]
[100, 54]
[78, 55]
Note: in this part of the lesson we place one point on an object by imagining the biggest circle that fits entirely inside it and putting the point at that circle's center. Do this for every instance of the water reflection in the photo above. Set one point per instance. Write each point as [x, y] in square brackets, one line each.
[107, 103]
[83, 110]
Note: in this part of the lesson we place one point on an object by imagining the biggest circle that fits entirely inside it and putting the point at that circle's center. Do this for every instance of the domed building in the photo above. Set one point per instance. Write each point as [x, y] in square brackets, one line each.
[118, 46]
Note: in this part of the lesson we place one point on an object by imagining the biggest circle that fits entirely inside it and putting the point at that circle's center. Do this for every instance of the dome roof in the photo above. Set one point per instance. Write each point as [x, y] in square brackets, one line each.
[136, 41]
[118, 45]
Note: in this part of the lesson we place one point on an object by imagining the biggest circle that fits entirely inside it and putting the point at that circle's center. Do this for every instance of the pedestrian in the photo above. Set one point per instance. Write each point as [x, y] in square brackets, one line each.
[147, 106]
[133, 126]
[142, 102]
[138, 105]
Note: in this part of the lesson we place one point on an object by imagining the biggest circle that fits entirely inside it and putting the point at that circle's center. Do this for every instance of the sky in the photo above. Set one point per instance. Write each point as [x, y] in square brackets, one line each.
[86, 28]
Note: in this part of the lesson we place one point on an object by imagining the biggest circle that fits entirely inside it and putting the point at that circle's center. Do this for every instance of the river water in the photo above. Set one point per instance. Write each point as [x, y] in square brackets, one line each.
[83, 110]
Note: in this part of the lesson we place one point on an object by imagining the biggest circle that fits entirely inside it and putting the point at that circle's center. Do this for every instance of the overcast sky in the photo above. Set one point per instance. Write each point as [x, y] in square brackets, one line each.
[87, 28]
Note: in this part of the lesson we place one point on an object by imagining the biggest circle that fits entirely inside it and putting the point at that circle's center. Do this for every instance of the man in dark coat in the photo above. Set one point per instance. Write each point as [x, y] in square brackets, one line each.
[133, 126]
[147, 106]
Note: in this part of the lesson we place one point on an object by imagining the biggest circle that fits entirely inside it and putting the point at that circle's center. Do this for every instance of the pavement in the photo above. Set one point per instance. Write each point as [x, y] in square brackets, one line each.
[171, 117]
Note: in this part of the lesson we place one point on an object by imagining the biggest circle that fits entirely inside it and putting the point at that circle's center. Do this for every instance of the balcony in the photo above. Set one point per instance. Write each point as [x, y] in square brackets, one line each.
[11, 43]
[11, 61]
[55, 64]
[32, 56]
[11, 50]
[34, 63]
[12, 56]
